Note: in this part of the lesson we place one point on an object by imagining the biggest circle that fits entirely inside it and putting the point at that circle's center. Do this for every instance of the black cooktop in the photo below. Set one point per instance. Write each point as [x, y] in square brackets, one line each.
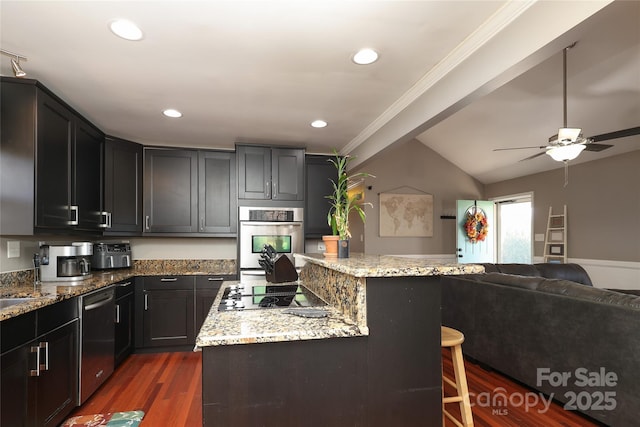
[253, 296]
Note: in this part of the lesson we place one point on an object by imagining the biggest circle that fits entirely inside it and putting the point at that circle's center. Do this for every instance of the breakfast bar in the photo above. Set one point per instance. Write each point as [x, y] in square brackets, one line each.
[369, 357]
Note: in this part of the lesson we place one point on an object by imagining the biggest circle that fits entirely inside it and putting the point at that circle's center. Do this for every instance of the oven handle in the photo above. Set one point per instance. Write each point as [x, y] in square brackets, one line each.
[272, 223]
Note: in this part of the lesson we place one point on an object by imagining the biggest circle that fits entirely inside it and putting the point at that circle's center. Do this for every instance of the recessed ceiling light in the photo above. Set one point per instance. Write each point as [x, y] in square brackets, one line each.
[365, 56]
[126, 29]
[319, 124]
[170, 112]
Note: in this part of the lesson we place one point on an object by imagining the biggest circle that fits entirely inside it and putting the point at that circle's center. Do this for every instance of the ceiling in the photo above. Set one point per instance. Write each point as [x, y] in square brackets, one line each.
[261, 71]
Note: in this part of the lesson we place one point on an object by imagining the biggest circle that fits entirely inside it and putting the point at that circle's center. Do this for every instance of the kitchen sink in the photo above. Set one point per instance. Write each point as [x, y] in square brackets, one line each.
[8, 302]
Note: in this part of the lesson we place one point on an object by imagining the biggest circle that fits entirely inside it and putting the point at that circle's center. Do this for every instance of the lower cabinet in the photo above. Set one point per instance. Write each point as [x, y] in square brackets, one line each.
[124, 320]
[207, 288]
[168, 317]
[40, 377]
[170, 310]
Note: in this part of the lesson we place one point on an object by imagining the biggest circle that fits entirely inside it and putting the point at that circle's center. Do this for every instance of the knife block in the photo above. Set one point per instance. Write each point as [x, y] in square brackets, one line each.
[283, 271]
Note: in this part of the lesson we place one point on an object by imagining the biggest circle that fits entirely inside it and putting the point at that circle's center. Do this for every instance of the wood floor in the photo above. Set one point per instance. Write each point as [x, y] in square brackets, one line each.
[168, 388]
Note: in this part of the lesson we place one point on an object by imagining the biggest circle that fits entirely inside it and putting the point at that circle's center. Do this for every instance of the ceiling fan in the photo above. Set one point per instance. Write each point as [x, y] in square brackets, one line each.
[568, 143]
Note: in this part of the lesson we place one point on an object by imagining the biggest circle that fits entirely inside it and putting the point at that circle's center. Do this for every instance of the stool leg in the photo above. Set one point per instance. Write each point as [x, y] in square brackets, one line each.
[461, 385]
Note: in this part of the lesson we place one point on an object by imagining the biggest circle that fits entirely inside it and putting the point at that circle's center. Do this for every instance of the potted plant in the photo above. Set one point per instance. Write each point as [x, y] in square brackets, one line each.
[343, 203]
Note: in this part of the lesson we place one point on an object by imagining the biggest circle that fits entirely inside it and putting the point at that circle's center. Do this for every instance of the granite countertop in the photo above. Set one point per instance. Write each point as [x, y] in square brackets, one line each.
[47, 293]
[271, 325]
[363, 265]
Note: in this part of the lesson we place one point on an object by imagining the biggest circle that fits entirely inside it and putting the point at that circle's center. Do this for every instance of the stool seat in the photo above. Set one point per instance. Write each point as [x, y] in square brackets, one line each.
[453, 339]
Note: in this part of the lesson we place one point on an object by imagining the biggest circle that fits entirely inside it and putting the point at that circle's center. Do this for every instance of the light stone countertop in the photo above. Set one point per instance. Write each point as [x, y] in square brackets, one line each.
[47, 293]
[271, 325]
[364, 265]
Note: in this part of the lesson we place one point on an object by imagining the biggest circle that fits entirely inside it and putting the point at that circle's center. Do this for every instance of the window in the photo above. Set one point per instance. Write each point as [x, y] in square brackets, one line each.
[514, 228]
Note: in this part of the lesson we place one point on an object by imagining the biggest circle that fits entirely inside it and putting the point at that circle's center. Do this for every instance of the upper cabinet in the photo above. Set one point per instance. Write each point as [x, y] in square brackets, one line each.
[44, 138]
[217, 206]
[189, 191]
[122, 187]
[319, 173]
[270, 173]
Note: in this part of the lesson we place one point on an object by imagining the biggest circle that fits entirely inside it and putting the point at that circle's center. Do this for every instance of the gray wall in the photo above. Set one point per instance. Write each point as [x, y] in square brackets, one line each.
[603, 206]
[414, 168]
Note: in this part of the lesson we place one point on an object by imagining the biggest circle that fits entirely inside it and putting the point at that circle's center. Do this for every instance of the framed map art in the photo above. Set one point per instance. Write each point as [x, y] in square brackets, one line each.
[406, 215]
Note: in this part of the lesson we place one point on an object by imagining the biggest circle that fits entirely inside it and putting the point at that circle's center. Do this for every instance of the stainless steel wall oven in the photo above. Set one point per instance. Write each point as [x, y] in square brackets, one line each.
[282, 228]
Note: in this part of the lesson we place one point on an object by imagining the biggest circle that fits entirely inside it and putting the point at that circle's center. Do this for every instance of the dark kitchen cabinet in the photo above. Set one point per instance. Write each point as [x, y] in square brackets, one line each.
[217, 206]
[167, 312]
[122, 187]
[39, 377]
[190, 191]
[207, 288]
[270, 173]
[124, 293]
[170, 190]
[54, 158]
[319, 173]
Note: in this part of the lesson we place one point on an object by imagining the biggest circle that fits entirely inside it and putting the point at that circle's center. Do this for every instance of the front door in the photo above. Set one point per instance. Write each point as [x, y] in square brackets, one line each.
[475, 236]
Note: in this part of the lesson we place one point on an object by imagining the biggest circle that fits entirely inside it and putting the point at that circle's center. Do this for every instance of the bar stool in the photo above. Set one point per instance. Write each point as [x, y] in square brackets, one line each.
[453, 339]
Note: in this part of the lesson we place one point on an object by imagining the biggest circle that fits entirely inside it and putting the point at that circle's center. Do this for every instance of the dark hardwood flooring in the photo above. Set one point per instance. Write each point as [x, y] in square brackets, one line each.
[168, 388]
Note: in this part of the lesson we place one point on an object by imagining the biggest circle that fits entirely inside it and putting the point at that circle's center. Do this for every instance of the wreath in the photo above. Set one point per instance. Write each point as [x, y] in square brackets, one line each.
[476, 225]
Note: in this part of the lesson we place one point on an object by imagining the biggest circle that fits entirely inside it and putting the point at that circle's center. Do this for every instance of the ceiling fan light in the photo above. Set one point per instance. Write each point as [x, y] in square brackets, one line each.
[568, 135]
[565, 153]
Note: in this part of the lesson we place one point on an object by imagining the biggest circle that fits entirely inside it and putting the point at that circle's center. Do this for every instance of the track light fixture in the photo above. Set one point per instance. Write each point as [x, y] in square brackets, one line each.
[15, 62]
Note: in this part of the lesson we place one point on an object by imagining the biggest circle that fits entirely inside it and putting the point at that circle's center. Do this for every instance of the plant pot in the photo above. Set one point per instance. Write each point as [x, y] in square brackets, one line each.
[343, 248]
[331, 246]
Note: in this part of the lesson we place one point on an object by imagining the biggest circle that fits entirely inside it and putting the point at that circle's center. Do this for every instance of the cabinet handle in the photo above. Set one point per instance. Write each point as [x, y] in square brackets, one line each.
[267, 188]
[35, 372]
[117, 313]
[169, 279]
[215, 279]
[146, 222]
[201, 224]
[146, 301]
[105, 221]
[45, 346]
[123, 284]
[74, 215]
[275, 188]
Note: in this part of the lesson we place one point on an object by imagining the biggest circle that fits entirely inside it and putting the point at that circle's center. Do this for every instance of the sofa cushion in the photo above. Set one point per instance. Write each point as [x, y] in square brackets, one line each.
[512, 280]
[589, 293]
[572, 272]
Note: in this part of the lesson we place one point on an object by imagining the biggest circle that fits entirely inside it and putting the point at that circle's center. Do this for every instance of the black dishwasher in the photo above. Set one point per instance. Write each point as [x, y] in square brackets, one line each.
[96, 340]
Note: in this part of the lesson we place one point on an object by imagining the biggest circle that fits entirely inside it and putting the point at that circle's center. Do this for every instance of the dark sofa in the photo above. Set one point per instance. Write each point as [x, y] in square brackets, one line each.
[530, 323]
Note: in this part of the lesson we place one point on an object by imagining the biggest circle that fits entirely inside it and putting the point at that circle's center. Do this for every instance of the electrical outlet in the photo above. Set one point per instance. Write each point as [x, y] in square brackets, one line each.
[13, 249]
[321, 247]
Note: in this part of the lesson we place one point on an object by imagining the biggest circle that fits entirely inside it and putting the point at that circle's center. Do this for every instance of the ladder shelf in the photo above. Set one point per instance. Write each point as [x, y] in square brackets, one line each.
[555, 242]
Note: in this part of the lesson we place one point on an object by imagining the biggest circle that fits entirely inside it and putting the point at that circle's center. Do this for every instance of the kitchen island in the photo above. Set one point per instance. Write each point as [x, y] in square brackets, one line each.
[373, 361]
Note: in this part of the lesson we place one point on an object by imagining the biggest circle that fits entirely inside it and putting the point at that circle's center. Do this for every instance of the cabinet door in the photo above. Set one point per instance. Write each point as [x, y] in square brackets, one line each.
[319, 172]
[171, 191]
[16, 386]
[123, 185]
[57, 385]
[123, 328]
[217, 204]
[287, 173]
[207, 288]
[53, 159]
[254, 172]
[168, 311]
[87, 175]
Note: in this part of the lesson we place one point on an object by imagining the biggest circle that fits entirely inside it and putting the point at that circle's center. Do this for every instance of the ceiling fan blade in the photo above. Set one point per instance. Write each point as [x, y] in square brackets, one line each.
[596, 147]
[617, 134]
[533, 157]
[519, 148]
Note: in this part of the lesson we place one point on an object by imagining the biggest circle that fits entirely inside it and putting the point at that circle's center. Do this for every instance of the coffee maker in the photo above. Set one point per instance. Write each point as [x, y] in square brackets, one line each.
[65, 262]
